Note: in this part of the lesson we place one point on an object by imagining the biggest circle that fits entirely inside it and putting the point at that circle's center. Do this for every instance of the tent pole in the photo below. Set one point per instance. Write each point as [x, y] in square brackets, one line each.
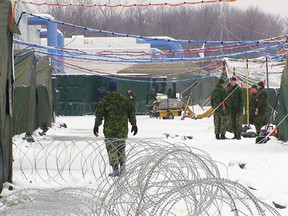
[247, 93]
[267, 71]
[267, 81]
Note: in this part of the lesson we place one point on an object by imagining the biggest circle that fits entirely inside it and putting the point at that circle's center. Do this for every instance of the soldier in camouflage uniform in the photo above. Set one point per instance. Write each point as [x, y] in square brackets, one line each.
[236, 108]
[116, 110]
[252, 104]
[170, 93]
[261, 111]
[218, 96]
[151, 96]
[130, 95]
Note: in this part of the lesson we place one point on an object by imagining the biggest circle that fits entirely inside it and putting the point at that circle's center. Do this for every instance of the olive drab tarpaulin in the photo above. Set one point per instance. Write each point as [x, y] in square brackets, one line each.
[24, 117]
[200, 91]
[203, 89]
[33, 93]
[6, 90]
[44, 93]
[283, 105]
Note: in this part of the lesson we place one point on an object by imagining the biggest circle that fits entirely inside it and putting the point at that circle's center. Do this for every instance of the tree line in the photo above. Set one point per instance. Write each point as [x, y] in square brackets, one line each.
[203, 22]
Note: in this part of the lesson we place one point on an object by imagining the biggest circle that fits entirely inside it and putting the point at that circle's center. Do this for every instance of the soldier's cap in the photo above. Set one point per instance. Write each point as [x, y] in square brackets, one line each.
[112, 86]
[261, 83]
[221, 81]
[254, 86]
[233, 78]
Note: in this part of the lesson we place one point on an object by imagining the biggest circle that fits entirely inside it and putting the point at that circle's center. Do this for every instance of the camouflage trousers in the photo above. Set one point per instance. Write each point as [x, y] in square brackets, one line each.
[260, 120]
[236, 122]
[252, 118]
[116, 151]
[220, 123]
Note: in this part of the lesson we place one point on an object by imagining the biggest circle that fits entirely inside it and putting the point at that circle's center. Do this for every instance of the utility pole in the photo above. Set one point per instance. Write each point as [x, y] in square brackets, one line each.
[267, 81]
[247, 93]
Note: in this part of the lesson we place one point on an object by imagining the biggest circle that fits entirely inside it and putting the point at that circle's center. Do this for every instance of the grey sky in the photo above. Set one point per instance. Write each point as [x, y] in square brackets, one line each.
[271, 6]
[279, 7]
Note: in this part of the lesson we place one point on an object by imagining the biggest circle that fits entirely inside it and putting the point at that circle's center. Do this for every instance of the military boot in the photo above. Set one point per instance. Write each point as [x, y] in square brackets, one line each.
[115, 171]
[217, 136]
[238, 136]
[223, 137]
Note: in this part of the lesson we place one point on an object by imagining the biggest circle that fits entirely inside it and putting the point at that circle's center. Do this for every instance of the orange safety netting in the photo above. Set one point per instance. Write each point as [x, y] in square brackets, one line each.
[123, 5]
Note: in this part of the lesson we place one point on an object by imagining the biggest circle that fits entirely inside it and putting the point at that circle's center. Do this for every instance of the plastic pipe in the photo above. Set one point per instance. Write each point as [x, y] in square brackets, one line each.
[52, 35]
[169, 44]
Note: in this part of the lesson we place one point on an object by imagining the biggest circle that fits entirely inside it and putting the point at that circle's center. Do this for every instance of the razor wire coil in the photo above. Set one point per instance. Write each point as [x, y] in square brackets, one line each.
[160, 178]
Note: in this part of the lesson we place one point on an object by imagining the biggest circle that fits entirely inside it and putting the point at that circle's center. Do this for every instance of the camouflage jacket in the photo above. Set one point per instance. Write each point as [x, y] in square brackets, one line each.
[151, 96]
[116, 110]
[170, 93]
[131, 97]
[262, 101]
[235, 99]
[252, 103]
[218, 96]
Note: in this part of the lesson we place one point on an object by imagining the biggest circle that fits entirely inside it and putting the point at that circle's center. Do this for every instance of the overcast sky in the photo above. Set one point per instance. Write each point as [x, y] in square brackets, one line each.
[272, 6]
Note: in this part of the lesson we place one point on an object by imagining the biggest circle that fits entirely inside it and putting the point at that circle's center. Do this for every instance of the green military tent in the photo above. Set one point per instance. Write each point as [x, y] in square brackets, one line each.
[186, 74]
[283, 105]
[6, 90]
[33, 94]
[44, 96]
[198, 89]
[25, 94]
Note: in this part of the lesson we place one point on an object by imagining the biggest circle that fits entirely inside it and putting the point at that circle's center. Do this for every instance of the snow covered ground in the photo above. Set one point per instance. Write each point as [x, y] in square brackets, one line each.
[265, 172]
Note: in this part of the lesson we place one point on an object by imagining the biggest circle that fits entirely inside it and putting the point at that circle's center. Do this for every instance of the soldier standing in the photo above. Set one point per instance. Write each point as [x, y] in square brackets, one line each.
[236, 108]
[252, 103]
[218, 97]
[116, 110]
[261, 111]
[151, 96]
[131, 96]
[170, 93]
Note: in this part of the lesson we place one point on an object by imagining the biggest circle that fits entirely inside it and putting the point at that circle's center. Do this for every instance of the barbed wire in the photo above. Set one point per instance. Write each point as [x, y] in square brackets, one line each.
[62, 157]
[161, 178]
[268, 43]
[124, 5]
[263, 51]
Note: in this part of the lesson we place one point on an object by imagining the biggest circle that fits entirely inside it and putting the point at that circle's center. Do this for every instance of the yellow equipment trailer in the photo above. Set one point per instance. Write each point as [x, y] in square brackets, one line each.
[169, 108]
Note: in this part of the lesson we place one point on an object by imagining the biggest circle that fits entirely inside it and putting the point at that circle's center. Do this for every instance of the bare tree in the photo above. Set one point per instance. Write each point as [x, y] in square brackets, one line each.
[206, 22]
[285, 25]
[138, 19]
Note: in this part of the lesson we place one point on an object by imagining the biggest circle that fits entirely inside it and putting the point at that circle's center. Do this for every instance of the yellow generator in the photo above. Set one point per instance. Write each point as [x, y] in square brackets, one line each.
[169, 108]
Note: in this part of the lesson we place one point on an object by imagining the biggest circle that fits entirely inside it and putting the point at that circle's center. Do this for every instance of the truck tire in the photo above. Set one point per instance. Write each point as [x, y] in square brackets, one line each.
[170, 116]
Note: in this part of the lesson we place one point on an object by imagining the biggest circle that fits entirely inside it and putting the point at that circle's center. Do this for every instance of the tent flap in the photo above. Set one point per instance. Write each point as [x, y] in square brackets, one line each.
[25, 94]
[283, 105]
[6, 97]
